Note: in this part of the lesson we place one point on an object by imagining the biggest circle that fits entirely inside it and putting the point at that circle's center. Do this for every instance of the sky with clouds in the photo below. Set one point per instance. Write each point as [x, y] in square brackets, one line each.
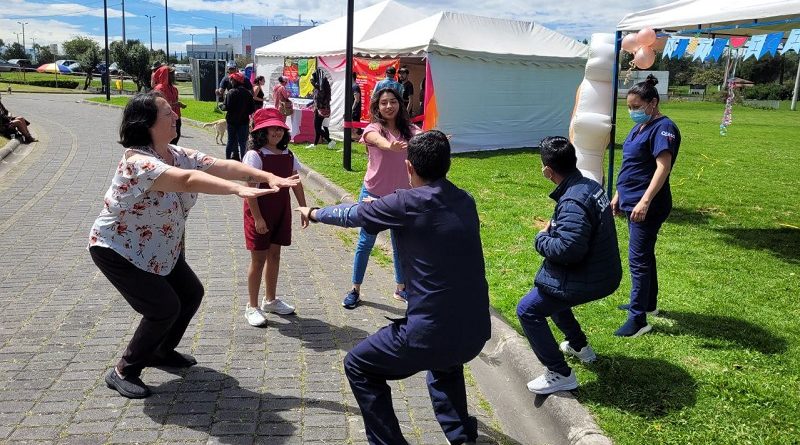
[59, 20]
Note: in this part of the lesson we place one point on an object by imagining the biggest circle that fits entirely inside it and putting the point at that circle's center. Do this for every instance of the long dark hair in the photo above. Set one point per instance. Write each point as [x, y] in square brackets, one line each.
[139, 115]
[258, 139]
[402, 121]
[646, 90]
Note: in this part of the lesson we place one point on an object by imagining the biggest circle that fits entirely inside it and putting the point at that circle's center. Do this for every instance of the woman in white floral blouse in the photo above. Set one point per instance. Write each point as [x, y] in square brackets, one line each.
[137, 241]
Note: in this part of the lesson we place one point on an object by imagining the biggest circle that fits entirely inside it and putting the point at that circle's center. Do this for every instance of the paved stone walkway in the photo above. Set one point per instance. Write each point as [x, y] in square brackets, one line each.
[63, 325]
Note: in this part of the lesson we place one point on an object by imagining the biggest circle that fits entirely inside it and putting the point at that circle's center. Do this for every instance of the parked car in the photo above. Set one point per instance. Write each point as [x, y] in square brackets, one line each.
[21, 63]
[66, 62]
[114, 69]
[183, 73]
[6, 66]
[75, 67]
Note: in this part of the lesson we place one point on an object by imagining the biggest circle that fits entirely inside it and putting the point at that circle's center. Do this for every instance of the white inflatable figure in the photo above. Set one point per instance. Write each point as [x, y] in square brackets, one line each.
[590, 128]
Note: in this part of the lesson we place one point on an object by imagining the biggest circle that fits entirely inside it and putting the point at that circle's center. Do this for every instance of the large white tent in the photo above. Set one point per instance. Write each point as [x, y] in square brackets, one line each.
[327, 42]
[497, 83]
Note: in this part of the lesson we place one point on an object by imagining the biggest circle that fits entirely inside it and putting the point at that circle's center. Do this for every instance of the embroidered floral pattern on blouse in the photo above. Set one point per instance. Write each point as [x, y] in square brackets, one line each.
[146, 227]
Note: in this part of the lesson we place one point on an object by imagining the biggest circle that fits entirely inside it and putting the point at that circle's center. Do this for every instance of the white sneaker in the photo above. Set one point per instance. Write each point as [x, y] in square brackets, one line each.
[551, 382]
[310, 146]
[254, 316]
[586, 354]
[332, 145]
[277, 306]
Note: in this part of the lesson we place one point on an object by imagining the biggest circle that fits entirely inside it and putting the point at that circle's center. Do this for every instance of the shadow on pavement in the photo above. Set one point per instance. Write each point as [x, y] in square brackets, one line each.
[745, 334]
[647, 387]
[212, 402]
[316, 334]
[783, 243]
[394, 311]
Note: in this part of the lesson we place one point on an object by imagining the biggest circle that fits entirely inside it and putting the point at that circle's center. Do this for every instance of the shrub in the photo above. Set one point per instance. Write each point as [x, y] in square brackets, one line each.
[66, 84]
[769, 91]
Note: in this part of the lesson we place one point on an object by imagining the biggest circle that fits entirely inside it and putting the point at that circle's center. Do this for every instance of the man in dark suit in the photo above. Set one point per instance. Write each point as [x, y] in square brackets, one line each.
[447, 319]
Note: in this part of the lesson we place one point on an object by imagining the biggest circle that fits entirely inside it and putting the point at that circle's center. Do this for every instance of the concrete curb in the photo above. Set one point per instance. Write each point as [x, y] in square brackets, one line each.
[506, 359]
[9, 148]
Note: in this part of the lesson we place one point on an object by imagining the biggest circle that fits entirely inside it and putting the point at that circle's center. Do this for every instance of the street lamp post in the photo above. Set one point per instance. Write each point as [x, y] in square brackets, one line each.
[166, 29]
[151, 17]
[124, 42]
[23, 34]
[17, 34]
[192, 46]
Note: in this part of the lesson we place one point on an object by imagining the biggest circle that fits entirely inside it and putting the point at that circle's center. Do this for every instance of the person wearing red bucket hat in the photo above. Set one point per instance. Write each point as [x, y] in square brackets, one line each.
[268, 222]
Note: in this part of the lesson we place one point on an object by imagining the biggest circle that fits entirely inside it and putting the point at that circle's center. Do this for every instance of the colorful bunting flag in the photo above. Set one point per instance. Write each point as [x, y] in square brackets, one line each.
[792, 42]
[754, 47]
[703, 49]
[737, 42]
[675, 47]
[692, 46]
[717, 49]
[771, 44]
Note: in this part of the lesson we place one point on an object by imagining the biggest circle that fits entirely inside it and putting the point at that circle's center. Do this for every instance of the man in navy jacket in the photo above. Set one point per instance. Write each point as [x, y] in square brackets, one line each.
[447, 318]
[581, 264]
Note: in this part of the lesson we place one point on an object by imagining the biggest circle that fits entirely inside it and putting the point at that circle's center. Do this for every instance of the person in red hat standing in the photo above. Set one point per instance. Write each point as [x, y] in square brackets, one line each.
[268, 222]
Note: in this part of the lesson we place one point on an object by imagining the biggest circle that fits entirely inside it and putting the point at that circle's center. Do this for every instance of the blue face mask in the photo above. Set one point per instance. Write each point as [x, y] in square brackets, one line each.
[639, 116]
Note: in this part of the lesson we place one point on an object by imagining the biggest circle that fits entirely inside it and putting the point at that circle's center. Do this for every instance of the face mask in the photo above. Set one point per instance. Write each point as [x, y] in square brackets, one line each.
[639, 116]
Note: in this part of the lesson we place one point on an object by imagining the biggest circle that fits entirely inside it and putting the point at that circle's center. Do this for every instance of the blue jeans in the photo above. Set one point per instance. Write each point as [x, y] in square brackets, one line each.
[237, 135]
[365, 243]
[642, 263]
[533, 311]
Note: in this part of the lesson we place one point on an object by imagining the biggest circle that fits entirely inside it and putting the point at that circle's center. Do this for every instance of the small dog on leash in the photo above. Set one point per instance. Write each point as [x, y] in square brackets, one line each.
[219, 126]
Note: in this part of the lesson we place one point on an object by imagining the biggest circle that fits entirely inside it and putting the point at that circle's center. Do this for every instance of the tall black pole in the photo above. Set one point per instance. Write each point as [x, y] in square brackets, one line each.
[348, 91]
[123, 22]
[107, 79]
[151, 17]
[166, 30]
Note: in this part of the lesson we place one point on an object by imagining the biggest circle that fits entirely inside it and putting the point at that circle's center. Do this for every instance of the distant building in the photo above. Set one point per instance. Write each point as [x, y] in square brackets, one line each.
[258, 36]
[226, 51]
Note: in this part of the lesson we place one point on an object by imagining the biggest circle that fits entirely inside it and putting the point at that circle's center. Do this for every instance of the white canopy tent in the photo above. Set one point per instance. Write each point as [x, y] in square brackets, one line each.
[327, 42]
[711, 18]
[498, 83]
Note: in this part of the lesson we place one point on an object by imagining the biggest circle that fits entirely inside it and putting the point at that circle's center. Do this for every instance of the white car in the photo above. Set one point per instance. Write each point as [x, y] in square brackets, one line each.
[66, 62]
[183, 73]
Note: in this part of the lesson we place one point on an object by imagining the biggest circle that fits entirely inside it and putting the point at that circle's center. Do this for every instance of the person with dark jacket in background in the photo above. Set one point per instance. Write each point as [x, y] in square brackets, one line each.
[164, 82]
[447, 321]
[322, 106]
[239, 106]
[581, 264]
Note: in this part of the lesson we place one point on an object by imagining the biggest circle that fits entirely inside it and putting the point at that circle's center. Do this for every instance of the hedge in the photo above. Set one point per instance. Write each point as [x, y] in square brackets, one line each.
[66, 84]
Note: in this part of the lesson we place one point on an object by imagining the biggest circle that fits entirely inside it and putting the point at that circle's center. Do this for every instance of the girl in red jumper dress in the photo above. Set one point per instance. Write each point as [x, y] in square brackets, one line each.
[268, 222]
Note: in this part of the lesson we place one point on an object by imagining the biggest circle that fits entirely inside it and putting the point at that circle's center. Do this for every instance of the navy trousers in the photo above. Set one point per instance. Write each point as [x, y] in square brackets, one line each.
[642, 263]
[237, 136]
[384, 356]
[533, 311]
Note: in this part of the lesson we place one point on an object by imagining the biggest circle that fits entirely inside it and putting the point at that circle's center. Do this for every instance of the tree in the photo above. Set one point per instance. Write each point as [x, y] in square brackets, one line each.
[45, 55]
[243, 60]
[708, 76]
[134, 59]
[73, 49]
[14, 51]
[89, 61]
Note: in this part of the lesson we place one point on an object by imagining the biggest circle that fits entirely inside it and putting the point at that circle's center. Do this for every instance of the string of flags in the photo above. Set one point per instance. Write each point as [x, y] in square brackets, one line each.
[705, 49]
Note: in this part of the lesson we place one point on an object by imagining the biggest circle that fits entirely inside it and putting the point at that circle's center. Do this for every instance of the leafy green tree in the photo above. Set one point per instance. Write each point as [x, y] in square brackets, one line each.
[73, 49]
[134, 59]
[44, 55]
[89, 61]
[708, 76]
[14, 51]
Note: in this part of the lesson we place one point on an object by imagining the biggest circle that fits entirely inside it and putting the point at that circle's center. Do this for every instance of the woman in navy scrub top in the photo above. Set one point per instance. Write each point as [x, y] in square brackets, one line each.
[643, 196]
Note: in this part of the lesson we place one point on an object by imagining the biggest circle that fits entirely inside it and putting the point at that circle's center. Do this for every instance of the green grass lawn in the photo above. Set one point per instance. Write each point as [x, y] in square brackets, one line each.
[722, 364]
[195, 109]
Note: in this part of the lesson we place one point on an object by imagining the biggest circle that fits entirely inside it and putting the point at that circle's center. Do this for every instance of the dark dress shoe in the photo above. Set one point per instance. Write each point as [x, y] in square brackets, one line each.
[128, 386]
[173, 359]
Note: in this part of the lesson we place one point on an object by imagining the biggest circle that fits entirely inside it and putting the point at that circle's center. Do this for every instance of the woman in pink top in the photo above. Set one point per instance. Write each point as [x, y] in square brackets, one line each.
[386, 138]
[279, 92]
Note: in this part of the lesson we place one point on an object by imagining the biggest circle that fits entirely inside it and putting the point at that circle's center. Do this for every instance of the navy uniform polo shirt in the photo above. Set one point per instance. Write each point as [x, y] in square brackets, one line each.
[639, 153]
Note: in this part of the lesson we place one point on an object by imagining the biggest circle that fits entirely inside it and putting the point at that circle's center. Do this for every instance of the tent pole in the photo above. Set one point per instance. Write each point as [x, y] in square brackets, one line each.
[348, 91]
[796, 85]
[612, 143]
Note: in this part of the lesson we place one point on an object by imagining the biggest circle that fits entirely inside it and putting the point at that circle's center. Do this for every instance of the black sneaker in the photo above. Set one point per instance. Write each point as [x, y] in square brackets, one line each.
[130, 387]
[173, 359]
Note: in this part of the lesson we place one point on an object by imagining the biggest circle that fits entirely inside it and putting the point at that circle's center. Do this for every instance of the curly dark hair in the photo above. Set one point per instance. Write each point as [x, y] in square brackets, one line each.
[402, 121]
[258, 139]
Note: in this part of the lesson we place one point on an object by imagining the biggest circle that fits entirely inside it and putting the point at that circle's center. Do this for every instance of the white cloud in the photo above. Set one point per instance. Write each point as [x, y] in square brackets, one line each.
[45, 32]
[29, 10]
[197, 31]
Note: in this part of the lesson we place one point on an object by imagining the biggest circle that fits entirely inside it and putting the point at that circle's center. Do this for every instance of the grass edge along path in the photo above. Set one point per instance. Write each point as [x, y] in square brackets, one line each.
[722, 364]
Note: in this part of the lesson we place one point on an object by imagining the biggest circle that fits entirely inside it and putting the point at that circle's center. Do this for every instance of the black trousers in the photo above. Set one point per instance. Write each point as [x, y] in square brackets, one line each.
[166, 303]
[178, 129]
[319, 130]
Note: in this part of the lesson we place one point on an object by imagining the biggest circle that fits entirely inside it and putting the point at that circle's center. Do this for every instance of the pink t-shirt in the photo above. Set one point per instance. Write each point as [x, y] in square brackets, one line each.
[386, 170]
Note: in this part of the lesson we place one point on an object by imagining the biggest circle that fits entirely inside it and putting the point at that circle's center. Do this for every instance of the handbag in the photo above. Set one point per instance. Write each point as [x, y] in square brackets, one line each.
[286, 108]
